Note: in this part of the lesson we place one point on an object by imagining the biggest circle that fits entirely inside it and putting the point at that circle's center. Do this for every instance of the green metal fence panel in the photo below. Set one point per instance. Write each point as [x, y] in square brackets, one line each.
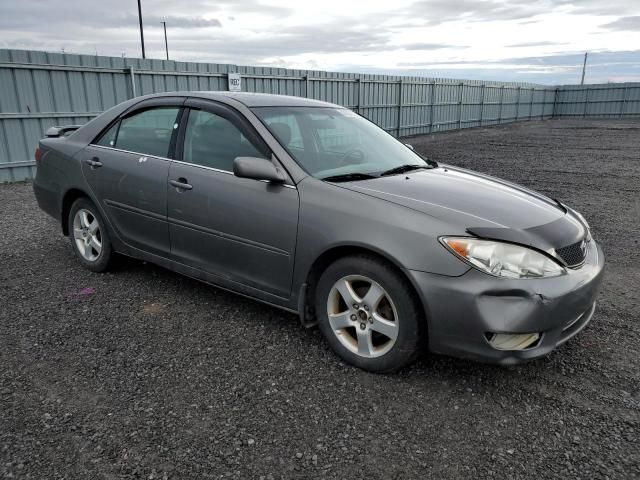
[42, 89]
[611, 100]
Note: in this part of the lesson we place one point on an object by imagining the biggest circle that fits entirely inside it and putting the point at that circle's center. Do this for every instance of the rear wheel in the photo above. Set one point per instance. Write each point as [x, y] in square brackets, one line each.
[89, 237]
[368, 313]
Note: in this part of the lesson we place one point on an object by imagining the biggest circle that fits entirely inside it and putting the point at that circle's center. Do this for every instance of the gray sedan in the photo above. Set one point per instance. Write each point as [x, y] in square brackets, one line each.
[309, 207]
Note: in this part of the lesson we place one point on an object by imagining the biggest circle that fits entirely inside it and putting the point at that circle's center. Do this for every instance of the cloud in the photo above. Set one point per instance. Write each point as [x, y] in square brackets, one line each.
[535, 44]
[596, 59]
[631, 24]
[98, 15]
[415, 36]
[434, 12]
[184, 22]
[255, 7]
[549, 69]
[630, 57]
[440, 11]
[427, 46]
[286, 42]
[599, 7]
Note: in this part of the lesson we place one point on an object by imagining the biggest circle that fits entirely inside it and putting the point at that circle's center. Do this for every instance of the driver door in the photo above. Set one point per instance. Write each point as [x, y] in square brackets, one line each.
[239, 229]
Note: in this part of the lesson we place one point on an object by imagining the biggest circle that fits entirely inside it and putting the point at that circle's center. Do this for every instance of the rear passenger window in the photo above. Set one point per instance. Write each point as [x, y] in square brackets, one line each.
[213, 141]
[147, 132]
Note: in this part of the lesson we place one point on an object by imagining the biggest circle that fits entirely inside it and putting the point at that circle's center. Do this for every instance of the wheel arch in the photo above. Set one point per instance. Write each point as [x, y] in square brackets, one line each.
[69, 197]
[330, 255]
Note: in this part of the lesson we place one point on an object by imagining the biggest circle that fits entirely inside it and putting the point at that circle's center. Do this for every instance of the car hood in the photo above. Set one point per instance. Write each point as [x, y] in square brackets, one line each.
[482, 205]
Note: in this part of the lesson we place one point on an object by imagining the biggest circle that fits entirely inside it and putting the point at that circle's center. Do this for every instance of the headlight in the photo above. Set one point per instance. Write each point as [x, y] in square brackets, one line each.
[503, 259]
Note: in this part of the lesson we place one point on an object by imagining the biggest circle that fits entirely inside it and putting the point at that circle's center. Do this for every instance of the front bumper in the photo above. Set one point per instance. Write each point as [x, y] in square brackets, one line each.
[461, 311]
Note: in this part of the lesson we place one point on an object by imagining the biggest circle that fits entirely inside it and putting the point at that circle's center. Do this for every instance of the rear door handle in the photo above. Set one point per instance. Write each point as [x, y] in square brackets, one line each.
[181, 184]
[93, 162]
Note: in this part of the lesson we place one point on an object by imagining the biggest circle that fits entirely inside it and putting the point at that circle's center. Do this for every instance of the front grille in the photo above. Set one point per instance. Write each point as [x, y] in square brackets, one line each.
[573, 255]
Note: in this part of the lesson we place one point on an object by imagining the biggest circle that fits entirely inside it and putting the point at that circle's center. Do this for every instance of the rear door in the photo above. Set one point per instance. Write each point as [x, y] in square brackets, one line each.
[239, 229]
[127, 169]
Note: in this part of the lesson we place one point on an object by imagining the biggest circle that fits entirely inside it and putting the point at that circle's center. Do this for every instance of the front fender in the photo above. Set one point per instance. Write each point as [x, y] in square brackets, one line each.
[333, 217]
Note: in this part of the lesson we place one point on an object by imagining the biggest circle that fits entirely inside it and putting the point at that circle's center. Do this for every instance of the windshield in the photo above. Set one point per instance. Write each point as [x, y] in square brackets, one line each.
[332, 142]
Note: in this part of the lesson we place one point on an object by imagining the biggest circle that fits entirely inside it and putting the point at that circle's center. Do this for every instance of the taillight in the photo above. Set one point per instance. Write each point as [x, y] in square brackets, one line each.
[38, 154]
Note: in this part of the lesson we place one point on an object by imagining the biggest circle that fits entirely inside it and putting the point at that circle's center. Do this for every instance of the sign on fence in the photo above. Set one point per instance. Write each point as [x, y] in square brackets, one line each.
[235, 82]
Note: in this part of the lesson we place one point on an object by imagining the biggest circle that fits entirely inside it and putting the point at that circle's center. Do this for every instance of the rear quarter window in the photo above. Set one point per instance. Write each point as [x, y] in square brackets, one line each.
[108, 139]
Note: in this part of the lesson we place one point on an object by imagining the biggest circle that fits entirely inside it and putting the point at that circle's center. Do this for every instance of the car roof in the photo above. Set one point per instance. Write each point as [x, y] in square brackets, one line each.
[254, 99]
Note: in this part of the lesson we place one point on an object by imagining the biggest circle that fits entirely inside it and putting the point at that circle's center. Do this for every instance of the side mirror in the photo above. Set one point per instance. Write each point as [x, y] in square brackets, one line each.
[257, 169]
[408, 145]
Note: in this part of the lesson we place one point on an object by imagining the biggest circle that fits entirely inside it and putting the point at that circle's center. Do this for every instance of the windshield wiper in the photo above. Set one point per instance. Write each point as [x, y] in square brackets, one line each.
[432, 163]
[403, 169]
[349, 177]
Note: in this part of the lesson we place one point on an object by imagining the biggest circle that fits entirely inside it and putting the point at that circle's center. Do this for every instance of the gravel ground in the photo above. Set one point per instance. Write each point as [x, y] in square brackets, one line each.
[141, 373]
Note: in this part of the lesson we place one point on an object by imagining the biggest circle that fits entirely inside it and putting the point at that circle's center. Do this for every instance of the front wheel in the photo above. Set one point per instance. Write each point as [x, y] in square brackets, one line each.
[369, 314]
[89, 237]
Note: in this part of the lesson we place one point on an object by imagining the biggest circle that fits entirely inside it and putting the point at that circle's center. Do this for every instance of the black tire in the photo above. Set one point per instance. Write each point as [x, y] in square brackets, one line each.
[410, 321]
[105, 257]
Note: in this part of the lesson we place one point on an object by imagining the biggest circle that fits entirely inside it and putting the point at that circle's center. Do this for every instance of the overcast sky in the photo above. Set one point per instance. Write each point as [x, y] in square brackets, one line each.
[524, 40]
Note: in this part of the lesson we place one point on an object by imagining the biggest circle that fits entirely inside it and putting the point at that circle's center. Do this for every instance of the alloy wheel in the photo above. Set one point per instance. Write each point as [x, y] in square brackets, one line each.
[362, 316]
[87, 235]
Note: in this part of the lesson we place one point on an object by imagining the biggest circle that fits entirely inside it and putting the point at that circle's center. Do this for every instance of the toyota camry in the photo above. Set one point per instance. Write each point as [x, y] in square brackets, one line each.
[310, 207]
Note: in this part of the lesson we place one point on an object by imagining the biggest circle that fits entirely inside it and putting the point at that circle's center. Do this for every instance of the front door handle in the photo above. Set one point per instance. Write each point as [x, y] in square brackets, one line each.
[181, 184]
[93, 162]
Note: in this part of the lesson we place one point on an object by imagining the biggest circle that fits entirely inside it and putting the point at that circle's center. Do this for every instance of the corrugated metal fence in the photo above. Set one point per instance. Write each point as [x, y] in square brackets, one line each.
[613, 100]
[40, 89]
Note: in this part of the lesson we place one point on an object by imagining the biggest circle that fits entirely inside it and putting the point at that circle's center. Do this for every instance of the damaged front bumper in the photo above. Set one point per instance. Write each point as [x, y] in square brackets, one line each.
[509, 321]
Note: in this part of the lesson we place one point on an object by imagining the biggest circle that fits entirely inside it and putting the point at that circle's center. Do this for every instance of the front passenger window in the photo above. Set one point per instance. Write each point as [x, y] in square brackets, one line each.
[213, 141]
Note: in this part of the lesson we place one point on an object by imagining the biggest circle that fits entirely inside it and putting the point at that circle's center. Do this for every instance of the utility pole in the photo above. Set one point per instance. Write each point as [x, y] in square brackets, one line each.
[141, 34]
[166, 45]
[584, 67]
